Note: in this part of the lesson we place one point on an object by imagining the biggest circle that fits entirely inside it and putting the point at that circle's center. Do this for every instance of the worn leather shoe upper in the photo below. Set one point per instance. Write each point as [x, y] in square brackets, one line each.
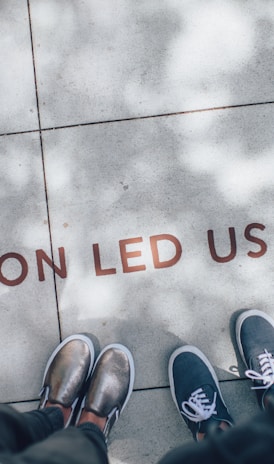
[111, 384]
[67, 370]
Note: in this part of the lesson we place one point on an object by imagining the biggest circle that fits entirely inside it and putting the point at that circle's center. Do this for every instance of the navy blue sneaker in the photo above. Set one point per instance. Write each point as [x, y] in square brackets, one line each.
[195, 391]
[255, 339]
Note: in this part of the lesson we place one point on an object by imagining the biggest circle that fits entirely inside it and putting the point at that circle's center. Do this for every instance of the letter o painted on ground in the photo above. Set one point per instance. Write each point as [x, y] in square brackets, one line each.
[24, 266]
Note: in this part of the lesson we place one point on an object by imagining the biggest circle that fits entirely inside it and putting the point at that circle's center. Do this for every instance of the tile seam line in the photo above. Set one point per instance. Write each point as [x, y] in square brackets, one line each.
[135, 390]
[43, 167]
[165, 387]
[137, 118]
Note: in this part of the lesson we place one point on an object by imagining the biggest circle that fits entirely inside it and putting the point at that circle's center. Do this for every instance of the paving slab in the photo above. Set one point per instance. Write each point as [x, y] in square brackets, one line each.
[129, 59]
[161, 227]
[17, 87]
[166, 227]
[25, 406]
[29, 323]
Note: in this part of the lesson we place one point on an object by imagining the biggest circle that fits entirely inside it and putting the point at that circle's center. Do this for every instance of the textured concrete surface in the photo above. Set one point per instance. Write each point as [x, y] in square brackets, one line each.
[130, 59]
[136, 151]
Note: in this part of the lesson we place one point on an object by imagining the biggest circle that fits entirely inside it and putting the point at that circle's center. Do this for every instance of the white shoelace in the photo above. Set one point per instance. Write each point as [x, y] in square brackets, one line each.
[266, 375]
[198, 408]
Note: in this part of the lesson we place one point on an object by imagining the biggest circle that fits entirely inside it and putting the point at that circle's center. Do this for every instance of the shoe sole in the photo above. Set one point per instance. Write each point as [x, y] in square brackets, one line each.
[125, 350]
[82, 337]
[200, 354]
[239, 323]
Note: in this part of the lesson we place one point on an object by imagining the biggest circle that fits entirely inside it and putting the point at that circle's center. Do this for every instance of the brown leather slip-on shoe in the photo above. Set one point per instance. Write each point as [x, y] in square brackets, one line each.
[111, 385]
[67, 372]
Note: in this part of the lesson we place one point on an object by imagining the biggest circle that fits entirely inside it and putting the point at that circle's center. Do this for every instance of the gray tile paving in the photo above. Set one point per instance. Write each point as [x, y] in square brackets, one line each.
[29, 324]
[124, 198]
[182, 176]
[25, 406]
[130, 59]
[17, 89]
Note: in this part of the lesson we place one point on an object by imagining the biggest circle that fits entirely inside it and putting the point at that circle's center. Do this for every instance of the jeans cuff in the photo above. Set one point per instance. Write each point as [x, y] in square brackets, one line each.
[94, 429]
[54, 416]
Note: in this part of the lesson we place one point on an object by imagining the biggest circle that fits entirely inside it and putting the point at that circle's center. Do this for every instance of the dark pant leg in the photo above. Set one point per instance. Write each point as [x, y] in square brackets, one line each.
[251, 443]
[19, 430]
[74, 445]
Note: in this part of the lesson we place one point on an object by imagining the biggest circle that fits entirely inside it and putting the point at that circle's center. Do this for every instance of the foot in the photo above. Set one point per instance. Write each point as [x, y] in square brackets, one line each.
[255, 339]
[110, 388]
[66, 374]
[196, 393]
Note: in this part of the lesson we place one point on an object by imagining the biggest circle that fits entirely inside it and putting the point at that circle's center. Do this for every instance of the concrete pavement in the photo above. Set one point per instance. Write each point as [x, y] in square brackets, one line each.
[137, 154]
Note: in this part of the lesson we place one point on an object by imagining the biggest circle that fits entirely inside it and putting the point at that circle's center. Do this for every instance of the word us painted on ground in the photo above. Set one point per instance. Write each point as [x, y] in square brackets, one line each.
[128, 255]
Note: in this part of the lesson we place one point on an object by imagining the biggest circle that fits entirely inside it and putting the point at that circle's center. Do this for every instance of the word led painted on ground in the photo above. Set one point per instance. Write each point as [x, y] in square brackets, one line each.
[127, 255]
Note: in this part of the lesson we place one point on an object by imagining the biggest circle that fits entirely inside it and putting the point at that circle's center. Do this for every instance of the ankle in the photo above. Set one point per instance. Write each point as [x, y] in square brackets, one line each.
[88, 416]
[219, 428]
[65, 411]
